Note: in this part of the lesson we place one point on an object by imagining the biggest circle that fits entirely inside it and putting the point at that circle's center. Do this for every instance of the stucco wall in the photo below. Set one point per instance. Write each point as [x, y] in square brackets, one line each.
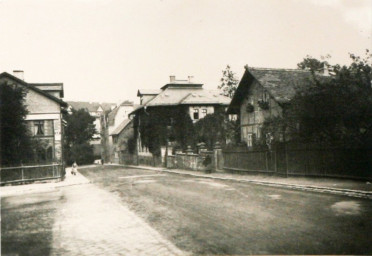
[43, 108]
[37, 103]
[210, 110]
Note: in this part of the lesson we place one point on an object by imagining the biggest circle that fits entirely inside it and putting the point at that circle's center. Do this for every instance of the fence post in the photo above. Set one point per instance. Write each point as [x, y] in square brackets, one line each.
[217, 157]
[22, 174]
[275, 160]
[266, 160]
[286, 159]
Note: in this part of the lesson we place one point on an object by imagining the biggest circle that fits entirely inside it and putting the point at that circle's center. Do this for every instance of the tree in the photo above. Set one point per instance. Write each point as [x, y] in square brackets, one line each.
[79, 132]
[211, 129]
[15, 141]
[161, 124]
[229, 82]
[336, 110]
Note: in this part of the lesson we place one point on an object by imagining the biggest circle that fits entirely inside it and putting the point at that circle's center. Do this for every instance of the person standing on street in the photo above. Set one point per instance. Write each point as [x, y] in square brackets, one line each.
[74, 168]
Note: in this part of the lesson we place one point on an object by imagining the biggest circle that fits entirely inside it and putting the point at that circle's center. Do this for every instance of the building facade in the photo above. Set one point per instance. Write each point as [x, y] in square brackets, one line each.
[263, 93]
[185, 95]
[112, 125]
[45, 106]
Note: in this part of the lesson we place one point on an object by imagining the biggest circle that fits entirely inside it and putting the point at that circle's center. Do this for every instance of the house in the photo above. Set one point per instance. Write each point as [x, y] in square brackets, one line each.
[263, 93]
[45, 106]
[112, 125]
[185, 95]
[121, 137]
[96, 110]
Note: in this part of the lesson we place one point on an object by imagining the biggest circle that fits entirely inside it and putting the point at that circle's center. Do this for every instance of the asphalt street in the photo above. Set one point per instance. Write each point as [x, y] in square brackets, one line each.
[207, 216]
[198, 216]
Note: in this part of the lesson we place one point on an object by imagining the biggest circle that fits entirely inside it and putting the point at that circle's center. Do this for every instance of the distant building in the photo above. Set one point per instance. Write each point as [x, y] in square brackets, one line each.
[112, 125]
[121, 137]
[45, 105]
[97, 110]
[196, 101]
[262, 93]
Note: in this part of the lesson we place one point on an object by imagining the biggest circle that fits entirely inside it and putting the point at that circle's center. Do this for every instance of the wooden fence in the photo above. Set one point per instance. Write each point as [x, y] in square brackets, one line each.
[244, 160]
[21, 174]
[302, 160]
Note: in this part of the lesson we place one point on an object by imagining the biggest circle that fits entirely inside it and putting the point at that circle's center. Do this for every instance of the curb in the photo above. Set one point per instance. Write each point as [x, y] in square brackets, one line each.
[41, 187]
[311, 188]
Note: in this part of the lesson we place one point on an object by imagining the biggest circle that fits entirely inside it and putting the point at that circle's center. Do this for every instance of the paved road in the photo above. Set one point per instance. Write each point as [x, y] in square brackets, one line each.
[77, 220]
[214, 217]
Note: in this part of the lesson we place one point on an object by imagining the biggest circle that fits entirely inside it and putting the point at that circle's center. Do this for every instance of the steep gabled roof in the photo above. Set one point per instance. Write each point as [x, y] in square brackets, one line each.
[126, 103]
[121, 127]
[112, 114]
[108, 106]
[90, 106]
[32, 87]
[281, 84]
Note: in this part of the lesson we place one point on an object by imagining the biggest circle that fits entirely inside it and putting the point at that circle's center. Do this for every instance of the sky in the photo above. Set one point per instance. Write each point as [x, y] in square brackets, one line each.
[105, 50]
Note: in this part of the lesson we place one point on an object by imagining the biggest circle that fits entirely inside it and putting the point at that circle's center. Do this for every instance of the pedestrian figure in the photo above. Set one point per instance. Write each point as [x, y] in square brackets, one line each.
[74, 168]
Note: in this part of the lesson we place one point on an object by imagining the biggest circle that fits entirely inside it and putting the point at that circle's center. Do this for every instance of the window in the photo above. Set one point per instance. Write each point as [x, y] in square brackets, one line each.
[250, 140]
[115, 139]
[39, 127]
[204, 111]
[196, 113]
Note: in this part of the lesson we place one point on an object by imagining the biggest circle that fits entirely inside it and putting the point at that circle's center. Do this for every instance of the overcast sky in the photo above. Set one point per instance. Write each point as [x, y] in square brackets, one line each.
[105, 50]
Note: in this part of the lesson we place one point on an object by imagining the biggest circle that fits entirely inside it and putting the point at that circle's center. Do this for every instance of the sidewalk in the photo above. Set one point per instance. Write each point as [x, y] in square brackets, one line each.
[70, 180]
[92, 221]
[352, 188]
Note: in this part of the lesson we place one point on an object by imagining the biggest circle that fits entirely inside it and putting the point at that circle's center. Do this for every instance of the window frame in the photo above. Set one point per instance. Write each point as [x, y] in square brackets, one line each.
[39, 127]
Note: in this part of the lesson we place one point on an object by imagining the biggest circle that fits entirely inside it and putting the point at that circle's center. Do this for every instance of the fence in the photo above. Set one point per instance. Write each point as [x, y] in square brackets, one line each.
[244, 160]
[22, 174]
[190, 161]
[302, 160]
[131, 159]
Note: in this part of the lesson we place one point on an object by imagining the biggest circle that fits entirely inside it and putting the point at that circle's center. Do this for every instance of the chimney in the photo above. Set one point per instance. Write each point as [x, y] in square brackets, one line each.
[172, 79]
[19, 74]
[191, 78]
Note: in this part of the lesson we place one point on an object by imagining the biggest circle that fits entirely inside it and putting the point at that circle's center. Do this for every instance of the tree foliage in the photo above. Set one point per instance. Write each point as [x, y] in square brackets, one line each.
[217, 127]
[162, 124]
[79, 130]
[229, 82]
[336, 110]
[15, 141]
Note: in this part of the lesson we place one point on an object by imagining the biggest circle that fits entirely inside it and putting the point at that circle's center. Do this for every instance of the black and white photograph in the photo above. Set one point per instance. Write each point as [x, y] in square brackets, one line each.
[185, 127]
